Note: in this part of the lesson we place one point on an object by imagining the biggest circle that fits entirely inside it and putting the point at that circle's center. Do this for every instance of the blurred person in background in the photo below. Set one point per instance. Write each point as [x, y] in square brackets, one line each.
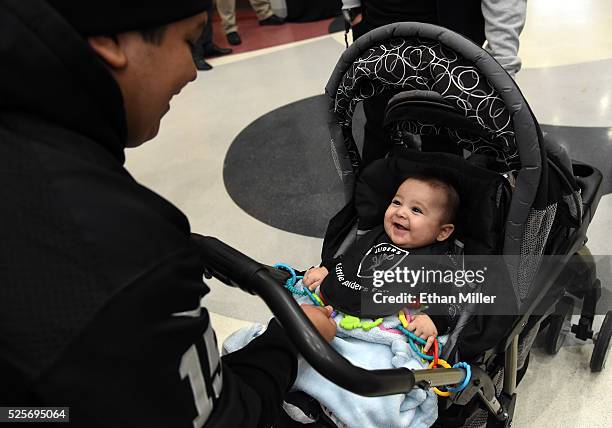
[204, 47]
[227, 12]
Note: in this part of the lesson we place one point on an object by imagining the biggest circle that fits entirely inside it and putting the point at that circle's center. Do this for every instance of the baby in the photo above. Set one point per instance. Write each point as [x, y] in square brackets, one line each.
[420, 218]
[417, 222]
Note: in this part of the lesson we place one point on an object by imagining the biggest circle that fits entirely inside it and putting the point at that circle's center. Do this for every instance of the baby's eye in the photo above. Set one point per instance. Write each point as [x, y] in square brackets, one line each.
[395, 202]
[417, 210]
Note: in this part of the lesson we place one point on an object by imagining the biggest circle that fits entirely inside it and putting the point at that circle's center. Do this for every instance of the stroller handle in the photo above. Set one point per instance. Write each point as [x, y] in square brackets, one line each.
[236, 269]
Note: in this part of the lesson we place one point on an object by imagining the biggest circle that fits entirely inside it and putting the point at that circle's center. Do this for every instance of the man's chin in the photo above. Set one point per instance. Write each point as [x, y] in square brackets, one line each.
[135, 142]
[130, 144]
[153, 133]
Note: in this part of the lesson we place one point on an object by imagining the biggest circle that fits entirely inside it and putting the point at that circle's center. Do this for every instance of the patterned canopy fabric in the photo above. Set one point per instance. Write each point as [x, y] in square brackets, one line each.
[417, 64]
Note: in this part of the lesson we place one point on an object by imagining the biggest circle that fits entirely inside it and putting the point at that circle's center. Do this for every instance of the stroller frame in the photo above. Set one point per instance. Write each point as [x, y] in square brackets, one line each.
[354, 79]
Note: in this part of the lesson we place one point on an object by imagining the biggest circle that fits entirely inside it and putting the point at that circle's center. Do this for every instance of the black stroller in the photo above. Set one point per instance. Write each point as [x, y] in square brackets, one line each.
[529, 203]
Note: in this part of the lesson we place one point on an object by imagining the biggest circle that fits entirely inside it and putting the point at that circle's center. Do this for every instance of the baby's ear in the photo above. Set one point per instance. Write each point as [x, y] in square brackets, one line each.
[445, 231]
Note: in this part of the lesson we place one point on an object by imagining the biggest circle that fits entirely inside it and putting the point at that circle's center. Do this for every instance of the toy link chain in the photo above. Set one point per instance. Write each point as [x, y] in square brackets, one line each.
[437, 348]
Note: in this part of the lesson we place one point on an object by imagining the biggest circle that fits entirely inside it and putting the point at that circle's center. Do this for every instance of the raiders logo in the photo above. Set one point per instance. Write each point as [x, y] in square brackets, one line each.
[380, 257]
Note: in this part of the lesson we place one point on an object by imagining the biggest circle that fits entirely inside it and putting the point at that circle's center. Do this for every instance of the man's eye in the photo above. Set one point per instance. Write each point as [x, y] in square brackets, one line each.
[417, 210]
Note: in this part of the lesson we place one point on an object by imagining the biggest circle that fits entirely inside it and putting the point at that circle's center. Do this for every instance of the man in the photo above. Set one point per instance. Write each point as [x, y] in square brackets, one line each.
[227, 12]
[498, 22]
[100, 279]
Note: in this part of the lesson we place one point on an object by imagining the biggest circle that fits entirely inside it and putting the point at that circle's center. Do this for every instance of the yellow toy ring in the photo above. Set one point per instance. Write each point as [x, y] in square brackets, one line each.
[402, 318]
[446, 366]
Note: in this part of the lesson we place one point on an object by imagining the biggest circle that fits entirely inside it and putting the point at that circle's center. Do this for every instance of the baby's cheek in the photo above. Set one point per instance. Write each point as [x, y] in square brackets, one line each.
[387, 226]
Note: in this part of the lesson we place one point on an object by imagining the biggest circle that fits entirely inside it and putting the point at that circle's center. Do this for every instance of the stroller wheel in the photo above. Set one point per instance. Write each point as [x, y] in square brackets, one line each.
[602, 344]
[560, 325]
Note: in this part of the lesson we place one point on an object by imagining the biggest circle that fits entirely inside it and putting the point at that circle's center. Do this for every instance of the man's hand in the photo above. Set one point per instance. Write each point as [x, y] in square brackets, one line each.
[423, 326]
[314, 277]
[356, 20]
[321, 318]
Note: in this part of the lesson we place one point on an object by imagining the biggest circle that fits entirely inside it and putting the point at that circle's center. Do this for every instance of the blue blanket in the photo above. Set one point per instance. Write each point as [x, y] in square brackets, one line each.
[370, 347]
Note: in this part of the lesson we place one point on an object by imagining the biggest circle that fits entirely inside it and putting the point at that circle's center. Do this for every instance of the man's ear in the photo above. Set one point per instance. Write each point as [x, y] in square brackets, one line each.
[445, 231]
[109, 49]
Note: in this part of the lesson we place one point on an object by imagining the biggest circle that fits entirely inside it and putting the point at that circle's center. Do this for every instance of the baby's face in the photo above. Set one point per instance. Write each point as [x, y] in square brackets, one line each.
[415, 217]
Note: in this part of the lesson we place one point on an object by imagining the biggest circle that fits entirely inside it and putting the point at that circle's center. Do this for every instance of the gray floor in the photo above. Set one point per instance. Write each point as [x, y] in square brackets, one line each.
[570, 95]
[567, 86]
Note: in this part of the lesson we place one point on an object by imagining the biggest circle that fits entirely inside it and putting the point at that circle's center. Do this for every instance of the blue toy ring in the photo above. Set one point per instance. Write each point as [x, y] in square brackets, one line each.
[466, 379]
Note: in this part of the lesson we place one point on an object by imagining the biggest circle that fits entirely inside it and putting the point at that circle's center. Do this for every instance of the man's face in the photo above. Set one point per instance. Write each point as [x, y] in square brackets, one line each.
[154, 73]
[416, 214]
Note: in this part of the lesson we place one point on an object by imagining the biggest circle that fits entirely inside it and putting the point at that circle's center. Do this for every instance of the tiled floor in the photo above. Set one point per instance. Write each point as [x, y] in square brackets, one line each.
[567, 78]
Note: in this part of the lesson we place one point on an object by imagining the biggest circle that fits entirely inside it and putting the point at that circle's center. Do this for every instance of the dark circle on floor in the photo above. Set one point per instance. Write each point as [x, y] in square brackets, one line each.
[279, 169]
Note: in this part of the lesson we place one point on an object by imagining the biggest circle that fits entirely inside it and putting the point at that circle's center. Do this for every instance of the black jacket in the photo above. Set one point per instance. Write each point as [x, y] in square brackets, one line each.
[100, 281]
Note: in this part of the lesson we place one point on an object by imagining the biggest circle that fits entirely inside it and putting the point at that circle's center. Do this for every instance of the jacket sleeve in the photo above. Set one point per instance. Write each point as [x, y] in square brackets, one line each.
[504, 21]
[331, 263]
[268, 367]
[149, 358]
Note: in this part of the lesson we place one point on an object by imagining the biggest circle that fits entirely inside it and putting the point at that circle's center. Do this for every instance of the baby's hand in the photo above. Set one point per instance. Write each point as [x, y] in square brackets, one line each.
[314, 277]
[424, 327]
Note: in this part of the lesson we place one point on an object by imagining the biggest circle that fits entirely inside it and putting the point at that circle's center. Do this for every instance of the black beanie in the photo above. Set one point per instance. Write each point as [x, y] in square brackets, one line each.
[92, 18]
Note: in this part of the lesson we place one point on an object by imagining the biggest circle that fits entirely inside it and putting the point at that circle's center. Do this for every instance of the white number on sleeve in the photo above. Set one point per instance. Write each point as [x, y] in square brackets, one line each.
[191, 368]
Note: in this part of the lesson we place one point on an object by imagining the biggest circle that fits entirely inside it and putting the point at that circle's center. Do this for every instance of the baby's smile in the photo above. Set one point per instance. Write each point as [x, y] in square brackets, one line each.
[400, 227]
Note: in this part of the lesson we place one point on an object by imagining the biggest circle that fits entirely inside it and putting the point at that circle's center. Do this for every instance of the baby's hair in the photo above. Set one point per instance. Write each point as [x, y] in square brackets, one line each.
[452, 200]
